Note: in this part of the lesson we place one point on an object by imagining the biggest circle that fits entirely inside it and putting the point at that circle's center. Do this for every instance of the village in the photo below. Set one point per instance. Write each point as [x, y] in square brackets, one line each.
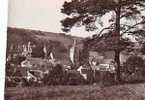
[75, 50]
[26, 66]
[24, 70]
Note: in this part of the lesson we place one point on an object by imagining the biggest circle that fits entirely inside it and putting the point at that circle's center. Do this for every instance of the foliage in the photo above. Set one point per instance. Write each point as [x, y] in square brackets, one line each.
[89, 12]
[59, 43]
[84, 54]
[58, 76]
[134, 63]
[143, 49]
[36, 49]
[55, 77]
[108, 43]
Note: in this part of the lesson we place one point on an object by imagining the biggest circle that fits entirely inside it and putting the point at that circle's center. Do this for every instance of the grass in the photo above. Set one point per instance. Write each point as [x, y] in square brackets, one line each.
[122, 92]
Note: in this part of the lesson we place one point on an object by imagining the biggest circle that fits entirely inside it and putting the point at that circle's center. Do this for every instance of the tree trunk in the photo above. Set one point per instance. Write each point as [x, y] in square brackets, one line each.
[117, 50]
[117, 59]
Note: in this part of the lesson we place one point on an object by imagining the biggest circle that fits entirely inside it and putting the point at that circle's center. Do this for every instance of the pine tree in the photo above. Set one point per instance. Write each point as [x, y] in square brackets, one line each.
[89, 12]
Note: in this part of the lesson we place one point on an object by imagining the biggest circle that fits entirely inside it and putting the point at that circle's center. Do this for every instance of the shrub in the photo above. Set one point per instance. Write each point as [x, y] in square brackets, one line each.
[55, 77]
[134, 69]
[134, 63]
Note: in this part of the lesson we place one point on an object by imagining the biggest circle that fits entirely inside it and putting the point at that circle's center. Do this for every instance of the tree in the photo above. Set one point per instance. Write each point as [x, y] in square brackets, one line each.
[133, 63]
[143, 49]
[88, 12]
[84, 53]
[56, 76]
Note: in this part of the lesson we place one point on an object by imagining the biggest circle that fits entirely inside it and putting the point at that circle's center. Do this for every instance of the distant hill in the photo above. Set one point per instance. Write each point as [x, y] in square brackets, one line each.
[60, 41]
[19, 35]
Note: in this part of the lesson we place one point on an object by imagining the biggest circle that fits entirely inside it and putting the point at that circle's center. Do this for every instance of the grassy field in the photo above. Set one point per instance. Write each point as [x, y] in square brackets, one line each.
[121, 92]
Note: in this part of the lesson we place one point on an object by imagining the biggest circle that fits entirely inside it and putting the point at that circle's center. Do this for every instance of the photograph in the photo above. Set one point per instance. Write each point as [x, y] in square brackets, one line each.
[75, 50]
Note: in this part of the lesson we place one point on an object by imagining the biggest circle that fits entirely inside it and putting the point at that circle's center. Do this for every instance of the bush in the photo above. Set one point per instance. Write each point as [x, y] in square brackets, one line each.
[134, 63]
[55, 77]
[74, 78]
[134, 69]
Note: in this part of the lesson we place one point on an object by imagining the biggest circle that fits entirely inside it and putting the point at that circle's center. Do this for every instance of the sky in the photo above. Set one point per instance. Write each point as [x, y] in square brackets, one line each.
[41, 15]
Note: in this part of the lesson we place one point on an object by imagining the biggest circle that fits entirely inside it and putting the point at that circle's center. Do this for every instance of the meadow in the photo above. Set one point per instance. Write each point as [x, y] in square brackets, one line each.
[92, 92]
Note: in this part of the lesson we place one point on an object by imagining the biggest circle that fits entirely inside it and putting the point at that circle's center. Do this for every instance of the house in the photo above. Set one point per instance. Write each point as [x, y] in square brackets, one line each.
[101, 57]
[106, 57]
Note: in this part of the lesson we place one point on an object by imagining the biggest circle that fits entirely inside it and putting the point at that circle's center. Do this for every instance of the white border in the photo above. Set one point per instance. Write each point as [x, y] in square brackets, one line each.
[3, 35]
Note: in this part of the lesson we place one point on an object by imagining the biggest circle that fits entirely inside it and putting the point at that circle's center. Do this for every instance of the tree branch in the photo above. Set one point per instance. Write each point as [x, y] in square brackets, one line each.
[106, 28]
[133, 26]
